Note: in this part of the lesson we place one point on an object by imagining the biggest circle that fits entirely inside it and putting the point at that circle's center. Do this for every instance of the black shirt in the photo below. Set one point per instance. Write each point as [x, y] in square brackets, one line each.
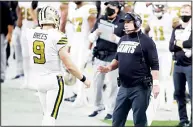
[6, 18]
[13, 6]
[179, 54]
[104, 45]
[129, 56]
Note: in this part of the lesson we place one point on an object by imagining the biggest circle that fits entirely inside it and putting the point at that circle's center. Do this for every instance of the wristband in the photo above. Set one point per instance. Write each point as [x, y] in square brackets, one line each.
[155, 82]
[83, 79]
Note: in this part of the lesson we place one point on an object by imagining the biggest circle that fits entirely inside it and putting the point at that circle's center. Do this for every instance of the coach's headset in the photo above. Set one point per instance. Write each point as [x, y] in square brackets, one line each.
[137, 24]
[132, 17]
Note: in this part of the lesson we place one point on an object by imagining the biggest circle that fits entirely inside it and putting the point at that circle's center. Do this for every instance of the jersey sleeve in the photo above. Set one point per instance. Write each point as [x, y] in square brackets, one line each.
[91, 10]
[61, 42]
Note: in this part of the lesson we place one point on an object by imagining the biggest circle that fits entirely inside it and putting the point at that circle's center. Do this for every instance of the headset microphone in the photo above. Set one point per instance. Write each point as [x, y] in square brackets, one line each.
[129, 30]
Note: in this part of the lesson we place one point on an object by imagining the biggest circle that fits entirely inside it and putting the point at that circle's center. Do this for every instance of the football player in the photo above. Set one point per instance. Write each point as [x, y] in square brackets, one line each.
[144, 10]
[83, 21]
[26, 19]
[47, 48]
[160, 25]
[66, 26]
[128, 6]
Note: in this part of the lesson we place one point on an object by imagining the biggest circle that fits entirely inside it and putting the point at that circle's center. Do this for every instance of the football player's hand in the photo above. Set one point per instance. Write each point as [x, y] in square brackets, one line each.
[87, 83]
[103, 69]
[156, 90]
[98, 32]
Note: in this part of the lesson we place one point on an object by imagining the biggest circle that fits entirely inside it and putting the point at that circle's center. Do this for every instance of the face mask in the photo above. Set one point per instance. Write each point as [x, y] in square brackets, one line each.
[110, 11]
[186, 18]
[158, 14]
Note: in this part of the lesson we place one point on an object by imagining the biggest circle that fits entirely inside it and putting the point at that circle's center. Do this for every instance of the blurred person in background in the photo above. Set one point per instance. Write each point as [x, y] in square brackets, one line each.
[160, 29]
[66, 26]
[26, 18]
[103, 53]
[180, 46]
[128, 6]
[98, 6]
[64, 16]
[9, 50]
[83, 20]
[6, 30]
[144, 9]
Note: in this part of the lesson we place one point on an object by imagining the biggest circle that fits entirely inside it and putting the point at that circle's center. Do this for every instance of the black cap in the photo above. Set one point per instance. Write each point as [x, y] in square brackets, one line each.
[127, 17]
[113, 3]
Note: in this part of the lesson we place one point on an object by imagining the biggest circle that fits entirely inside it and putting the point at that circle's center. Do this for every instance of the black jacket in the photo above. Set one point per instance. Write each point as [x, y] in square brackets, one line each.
[178, 53]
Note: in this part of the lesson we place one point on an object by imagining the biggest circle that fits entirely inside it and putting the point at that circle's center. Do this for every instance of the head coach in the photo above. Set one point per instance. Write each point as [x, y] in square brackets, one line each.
[137, 61]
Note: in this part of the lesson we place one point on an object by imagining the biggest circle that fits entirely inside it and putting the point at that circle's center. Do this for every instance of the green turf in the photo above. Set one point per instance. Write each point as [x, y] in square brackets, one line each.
[155, 123]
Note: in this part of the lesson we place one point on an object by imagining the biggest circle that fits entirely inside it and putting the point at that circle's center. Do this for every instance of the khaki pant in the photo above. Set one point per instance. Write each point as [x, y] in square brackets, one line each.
[112, 87]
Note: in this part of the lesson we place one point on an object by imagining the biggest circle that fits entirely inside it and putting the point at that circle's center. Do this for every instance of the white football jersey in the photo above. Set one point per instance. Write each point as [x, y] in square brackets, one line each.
[80, 22]
[71, 10]
[161, 30]
[27, 21]
[69, 28]
[44, 46]
[144, 12]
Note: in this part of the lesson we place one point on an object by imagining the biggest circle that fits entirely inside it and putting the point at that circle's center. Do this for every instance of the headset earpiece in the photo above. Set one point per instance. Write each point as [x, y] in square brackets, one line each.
[137, 20]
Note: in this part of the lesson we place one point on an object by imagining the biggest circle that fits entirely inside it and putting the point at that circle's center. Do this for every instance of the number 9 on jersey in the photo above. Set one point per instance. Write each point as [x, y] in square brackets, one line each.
[39, 50]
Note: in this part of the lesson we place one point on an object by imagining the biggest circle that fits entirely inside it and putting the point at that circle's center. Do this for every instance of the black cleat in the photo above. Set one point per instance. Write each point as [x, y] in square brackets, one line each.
[108, 117]
[18, 76]
[71, 99]
[95, 113]
[104, 87]
[185, 124]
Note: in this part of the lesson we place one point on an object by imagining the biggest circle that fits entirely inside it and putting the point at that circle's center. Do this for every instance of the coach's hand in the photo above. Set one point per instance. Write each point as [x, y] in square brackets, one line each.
[87, 83]
[103, 69]
[156, 90]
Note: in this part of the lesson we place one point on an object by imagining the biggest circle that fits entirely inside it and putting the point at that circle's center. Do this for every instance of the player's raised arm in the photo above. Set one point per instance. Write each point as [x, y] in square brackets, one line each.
[19, 16]
[64, 15]
[33, 11]
[70, 66]
[92, 15]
